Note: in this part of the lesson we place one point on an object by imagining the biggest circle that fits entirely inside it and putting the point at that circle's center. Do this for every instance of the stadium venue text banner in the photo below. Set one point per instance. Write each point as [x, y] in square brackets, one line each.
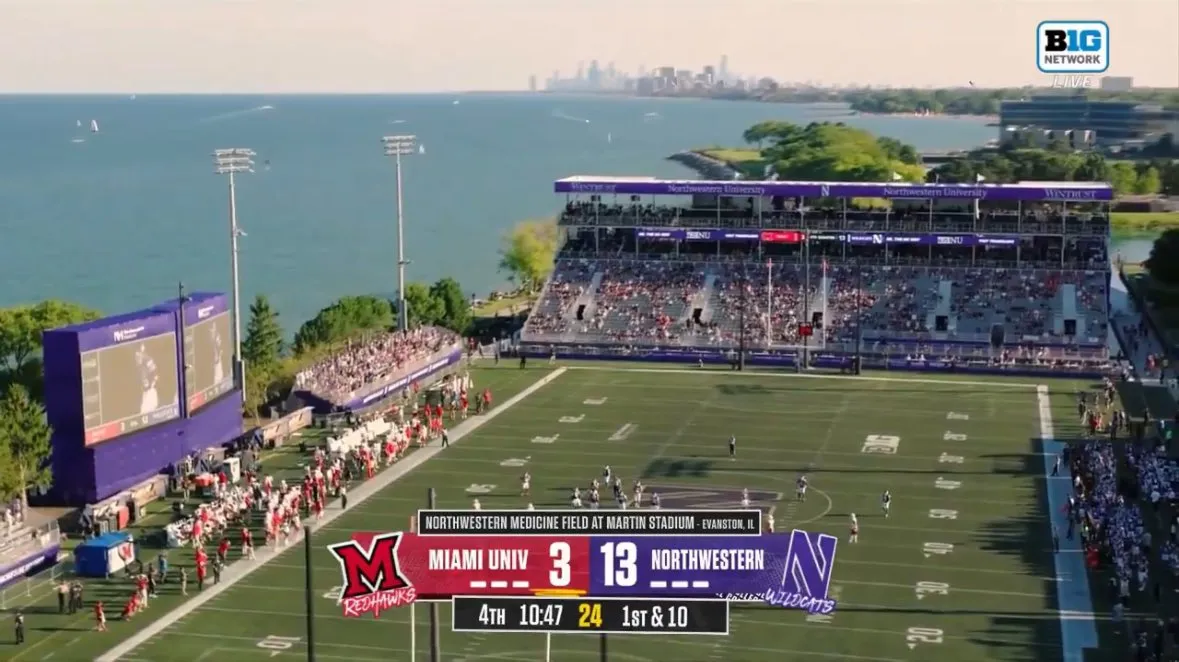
[858, 238]
[1078, 192]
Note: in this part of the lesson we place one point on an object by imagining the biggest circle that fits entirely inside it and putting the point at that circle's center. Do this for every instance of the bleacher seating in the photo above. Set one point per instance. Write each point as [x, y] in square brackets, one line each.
[649, 302]
[570, 280]
[373, 360]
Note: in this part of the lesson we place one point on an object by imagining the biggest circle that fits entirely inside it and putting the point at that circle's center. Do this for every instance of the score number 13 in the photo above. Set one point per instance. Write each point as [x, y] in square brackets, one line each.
[619, 564]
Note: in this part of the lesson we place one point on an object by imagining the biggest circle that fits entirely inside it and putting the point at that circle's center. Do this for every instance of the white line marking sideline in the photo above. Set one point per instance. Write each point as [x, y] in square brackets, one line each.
[240, 570]
[787, 375]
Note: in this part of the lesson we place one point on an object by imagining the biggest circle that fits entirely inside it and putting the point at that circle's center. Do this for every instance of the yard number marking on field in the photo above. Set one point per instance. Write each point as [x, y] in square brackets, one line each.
[545, 440]
[939, 548]
[572, 419]
[276, 644]
[953, 436]
[623, 432]
[938, 513]
[944, 484]
[594, 402]
[515, 461]
[914, 636]
[480, 488]
[955, 416]
[882, 444]
[946, 458]
[923, 589]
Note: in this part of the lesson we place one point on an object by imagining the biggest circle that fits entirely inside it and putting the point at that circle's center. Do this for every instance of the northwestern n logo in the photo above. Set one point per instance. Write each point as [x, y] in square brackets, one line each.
[810, 560]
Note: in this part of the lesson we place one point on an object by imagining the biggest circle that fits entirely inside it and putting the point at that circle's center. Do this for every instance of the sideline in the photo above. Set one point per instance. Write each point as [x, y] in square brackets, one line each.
[1073, 601]
[240, 570]
[803, 375]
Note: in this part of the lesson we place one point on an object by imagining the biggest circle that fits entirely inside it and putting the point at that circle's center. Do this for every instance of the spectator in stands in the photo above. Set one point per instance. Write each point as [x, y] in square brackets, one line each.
[372, 360]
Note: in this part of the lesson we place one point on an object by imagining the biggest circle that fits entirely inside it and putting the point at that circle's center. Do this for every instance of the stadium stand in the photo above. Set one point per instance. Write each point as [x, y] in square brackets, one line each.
[373, 360]
[997, 281]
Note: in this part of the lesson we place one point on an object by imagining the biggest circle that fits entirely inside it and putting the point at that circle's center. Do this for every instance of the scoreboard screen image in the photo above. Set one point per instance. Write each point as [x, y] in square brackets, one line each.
[129, 386]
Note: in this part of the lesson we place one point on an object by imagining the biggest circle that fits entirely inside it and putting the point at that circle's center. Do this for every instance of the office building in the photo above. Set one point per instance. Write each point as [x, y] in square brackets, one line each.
[1117, 83]
[1113, 124]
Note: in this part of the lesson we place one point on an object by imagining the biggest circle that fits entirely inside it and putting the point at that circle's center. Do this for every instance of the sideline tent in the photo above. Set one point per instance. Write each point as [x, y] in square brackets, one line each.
[105, 555]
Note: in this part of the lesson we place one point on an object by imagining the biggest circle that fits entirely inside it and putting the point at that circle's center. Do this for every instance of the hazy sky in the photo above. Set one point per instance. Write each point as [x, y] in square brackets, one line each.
[146, 46]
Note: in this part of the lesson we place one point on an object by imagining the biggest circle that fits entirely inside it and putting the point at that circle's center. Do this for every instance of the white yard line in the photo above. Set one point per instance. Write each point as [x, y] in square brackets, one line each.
[238, 571]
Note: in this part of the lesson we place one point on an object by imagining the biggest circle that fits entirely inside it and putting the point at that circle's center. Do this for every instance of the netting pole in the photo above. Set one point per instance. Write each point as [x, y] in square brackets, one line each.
[435, 635]
[309, 593]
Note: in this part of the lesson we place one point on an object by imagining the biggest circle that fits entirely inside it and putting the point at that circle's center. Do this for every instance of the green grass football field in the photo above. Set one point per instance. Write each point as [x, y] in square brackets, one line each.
[962, 570]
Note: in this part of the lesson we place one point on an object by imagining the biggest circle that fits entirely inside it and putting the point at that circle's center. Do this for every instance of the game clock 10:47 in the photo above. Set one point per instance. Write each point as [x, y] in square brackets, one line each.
[591, 615]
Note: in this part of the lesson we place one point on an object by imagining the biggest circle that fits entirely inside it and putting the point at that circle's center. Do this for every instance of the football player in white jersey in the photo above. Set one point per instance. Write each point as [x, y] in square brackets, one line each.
[576, 501]
[149, 399]
[800, 488]
[218, 355]
[745, 498]
[769, 523]
[476, 505]
[526, 484]
[855, 529]
[885, 502]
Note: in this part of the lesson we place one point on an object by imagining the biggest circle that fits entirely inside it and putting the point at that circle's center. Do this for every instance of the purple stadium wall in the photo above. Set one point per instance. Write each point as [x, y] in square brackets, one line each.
[88, 473]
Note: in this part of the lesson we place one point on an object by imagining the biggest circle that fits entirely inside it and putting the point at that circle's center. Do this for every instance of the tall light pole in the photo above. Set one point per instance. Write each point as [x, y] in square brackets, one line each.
[231, 162]
[396, 147]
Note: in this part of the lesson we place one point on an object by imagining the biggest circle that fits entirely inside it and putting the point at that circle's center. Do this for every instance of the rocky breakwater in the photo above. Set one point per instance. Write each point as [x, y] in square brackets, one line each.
[705, 166]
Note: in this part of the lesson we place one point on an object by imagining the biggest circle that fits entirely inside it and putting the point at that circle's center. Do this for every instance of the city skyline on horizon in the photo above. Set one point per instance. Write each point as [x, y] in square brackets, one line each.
[354, 46]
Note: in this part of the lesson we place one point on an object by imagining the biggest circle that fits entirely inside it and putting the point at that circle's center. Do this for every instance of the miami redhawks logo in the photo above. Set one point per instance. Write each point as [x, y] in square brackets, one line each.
[126, 551]
[373, 581]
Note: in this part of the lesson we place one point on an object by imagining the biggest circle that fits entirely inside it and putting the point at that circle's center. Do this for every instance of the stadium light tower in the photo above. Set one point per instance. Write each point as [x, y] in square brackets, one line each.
[231, 162]
[397, 147]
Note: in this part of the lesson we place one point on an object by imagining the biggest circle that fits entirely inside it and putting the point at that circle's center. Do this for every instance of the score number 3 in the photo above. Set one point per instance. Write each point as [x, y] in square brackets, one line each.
[560, 553]
[620, 567]
[620, 564]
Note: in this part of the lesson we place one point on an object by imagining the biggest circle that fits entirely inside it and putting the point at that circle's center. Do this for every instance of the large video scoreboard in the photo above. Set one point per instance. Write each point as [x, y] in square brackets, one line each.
[619, 571]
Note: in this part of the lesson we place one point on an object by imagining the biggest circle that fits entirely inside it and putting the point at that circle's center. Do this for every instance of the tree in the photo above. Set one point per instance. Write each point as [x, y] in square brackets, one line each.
[834, 151]
[423, 307]
[21, 328]
[1122, 177]
[345, 319]
[455, 308]
[260, 387]
[1163, 263]
[26, 433]
[263, 345]
[1148, 182]
[528, 253]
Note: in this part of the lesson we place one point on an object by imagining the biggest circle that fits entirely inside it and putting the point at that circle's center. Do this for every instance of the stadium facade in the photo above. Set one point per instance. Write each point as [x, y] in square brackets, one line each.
[1113, 123]
[131, 394]
[933, 277]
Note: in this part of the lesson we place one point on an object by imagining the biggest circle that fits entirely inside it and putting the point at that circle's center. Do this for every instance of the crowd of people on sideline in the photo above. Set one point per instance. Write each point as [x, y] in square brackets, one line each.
[373, 360]
[265, 508]
[1121, 507]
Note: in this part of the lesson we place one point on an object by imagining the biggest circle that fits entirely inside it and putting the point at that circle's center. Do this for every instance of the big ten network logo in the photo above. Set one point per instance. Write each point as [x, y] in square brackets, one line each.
[1072, 47]
[373, 579]
[806, 578]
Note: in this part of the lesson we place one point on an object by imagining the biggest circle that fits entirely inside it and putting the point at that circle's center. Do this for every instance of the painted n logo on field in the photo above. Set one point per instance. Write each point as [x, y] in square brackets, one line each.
[810, 560]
